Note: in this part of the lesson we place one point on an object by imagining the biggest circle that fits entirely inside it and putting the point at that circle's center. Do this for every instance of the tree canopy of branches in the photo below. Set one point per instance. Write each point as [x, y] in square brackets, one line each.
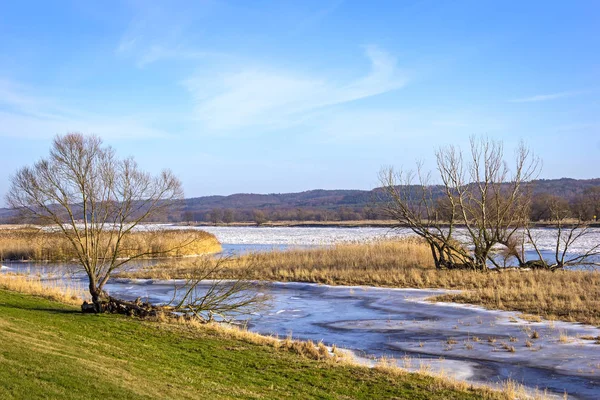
[567, 233]
[95, 199]
[485, 196]
[206, 296]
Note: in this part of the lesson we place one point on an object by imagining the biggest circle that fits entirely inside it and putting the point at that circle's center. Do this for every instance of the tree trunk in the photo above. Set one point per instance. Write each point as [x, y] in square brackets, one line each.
[99, 298]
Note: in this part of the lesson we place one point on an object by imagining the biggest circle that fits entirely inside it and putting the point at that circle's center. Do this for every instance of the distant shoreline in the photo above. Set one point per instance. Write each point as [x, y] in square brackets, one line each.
[337, 224]
[307, 224]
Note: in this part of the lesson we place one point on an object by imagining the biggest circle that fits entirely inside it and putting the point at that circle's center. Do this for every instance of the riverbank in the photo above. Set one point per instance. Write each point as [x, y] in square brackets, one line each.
[51, 350]
[566, 295]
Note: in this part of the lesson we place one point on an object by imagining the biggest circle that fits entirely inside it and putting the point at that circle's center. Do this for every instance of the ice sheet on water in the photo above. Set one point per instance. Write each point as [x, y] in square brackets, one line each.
[300, 236]
[546, 238]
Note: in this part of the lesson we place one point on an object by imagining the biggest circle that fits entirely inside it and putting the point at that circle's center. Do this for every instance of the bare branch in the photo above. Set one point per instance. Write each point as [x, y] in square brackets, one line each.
[94, 199]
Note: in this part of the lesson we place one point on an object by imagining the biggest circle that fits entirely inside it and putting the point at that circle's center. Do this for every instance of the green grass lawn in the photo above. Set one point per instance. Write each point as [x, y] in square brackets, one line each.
[50, 350]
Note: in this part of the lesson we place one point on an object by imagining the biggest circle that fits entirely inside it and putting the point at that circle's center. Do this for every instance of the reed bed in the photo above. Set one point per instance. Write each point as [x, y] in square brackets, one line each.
[378, 263]
[35, 244]
[565, 295]
[52, 290]
[406, 263]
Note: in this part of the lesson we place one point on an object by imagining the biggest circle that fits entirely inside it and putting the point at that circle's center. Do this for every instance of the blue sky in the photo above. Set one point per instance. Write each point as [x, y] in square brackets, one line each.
[279, 96]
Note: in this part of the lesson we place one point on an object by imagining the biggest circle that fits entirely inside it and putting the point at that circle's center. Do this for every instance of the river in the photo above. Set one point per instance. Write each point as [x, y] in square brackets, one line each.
[466, 342]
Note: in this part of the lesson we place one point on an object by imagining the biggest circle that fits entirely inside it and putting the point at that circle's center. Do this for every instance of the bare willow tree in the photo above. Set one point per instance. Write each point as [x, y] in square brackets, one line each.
[95, 199]
[410, 199]
[483, 195]
[492, 197]
[567, 234]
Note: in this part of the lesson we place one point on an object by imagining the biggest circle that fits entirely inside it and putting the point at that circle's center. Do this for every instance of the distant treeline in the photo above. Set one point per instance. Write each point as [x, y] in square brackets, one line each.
[579, 199]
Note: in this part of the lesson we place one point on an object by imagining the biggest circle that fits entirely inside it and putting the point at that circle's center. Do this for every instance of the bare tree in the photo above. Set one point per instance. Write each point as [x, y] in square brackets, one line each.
[410, 199]
[95, 199]
[228, 216]
[483, 195]
[259, 217]
[567, 234]
[542, 204]
[216, 215]
[494, 202]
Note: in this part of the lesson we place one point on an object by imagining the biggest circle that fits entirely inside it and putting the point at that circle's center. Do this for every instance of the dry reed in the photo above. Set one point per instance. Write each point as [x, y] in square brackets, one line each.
[566, 295]
[36, 244]
[52, 290]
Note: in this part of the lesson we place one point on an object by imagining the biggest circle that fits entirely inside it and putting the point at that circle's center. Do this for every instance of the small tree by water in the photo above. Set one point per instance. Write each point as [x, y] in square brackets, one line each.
[95, 199]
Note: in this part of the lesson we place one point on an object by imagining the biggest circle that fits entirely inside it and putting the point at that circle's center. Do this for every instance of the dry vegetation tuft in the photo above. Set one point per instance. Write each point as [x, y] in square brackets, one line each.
[54, 290]
[379, 263]
[565, 295]
[36, 244]
[308, 349]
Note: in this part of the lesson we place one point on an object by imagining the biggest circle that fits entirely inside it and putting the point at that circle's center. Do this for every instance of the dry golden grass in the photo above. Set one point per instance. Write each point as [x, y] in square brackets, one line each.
[56, 291]
[308, 349]
[507, 390]
[34, 244]
[565, 295]
[380, 263]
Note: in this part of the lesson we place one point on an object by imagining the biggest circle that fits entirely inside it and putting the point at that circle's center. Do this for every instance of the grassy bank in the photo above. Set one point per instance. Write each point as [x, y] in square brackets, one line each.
[566, 295]
[50, 350]
[35, 244]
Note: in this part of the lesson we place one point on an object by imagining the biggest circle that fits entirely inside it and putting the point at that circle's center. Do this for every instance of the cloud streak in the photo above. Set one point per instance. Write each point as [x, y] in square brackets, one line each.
[544, 97]
[270, 97]
[25, 114]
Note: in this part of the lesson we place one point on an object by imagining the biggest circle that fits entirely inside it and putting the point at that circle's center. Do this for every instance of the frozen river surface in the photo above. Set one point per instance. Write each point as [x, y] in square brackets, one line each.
[466, 342]
[469, 343]
[275, 236]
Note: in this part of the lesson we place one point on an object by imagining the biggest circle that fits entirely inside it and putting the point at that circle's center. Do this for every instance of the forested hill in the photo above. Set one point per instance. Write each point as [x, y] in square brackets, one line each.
[331, 204]
[311, 198]
[316, 205]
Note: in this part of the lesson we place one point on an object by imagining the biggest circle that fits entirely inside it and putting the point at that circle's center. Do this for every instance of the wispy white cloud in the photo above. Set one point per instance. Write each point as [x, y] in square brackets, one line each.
[21, 126]
[26, 114]
[157, 33]
[319, 15]
[545, 97]
[274, 97]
